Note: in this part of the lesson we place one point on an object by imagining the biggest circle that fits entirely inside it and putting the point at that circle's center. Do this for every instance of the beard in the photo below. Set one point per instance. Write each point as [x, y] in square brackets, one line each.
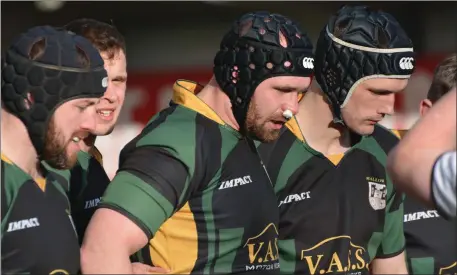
[258, 130]
[55, 149]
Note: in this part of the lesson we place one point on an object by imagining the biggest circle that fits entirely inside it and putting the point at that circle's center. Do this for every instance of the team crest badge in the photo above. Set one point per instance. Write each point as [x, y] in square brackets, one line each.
[377, 195]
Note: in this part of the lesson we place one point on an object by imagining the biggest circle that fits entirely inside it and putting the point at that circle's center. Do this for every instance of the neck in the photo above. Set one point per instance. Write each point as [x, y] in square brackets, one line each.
[17, 146]
[315, 119]
[215, 98]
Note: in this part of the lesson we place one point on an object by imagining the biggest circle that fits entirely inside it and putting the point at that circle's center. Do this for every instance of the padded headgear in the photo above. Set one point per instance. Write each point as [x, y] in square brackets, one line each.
[251, 52]
[372, 44]
[33, 89]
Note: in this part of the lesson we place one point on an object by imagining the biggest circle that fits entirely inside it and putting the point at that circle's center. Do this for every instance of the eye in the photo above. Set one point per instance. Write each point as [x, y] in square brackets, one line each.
[285, 90]
[119, 80]
[84, 105]
[381, 92]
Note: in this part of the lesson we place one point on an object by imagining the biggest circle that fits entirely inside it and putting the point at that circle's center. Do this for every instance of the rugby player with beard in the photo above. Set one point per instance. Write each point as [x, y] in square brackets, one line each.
[191, 193]
[51, 82]
[88, 179]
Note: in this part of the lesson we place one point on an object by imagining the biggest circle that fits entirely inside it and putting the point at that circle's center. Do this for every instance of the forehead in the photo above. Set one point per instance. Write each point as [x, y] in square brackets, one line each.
[387, 84]
[294, 82]
[116, 64]
[83, 101]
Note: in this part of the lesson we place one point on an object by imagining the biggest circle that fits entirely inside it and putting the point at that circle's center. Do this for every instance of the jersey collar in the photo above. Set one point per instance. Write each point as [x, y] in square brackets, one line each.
[184, 93]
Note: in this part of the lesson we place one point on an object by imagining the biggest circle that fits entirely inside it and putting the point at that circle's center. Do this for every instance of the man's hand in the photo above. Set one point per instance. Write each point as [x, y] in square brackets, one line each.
[139, 268]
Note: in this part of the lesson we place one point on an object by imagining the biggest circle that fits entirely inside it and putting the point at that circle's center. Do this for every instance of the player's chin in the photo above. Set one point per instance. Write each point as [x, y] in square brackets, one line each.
[103, 129]
[365, 129]
[269, 135]
[72, 149]
[65, 162]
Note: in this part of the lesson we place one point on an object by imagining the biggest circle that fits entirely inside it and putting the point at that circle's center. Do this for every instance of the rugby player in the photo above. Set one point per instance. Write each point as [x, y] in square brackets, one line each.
[51, 81]
[430, 239]
[339, 212]
[191, 193]
[88, 178]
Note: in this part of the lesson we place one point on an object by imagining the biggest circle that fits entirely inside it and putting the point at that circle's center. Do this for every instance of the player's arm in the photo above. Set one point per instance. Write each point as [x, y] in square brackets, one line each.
[410, 164]
[393, 265]
[390, 257]
[144, 193]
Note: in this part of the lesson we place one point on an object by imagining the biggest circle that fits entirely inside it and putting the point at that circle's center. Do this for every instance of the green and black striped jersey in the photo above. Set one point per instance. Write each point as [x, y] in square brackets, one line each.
[38, 236]
[87, 183]
[431, 240]
[337, 213]
[198, 190]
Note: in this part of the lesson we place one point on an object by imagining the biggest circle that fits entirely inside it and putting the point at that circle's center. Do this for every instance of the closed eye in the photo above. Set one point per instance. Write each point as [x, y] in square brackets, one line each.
[120, 79]
[381, 92]
[83, 105]
[288, 89]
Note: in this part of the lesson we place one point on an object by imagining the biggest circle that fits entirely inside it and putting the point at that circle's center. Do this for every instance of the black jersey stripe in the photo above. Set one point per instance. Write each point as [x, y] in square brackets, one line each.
[385, 138]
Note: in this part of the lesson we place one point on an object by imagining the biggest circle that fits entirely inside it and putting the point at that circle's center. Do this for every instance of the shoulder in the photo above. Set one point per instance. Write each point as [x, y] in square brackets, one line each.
[11, 175]
[386, 138]
[179, 131]
[7, 168]
[11, 181]
[399, 133]
[173, 126]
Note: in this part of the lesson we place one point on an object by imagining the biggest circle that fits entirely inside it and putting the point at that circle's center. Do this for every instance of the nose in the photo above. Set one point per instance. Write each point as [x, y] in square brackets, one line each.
[291, 103]
[88, 121]
[110, 94]
[388, 103]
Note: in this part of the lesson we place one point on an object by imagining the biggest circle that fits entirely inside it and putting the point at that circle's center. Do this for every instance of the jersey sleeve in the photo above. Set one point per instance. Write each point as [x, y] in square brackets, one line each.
[444, 184]
[150, 185]
[393, 239]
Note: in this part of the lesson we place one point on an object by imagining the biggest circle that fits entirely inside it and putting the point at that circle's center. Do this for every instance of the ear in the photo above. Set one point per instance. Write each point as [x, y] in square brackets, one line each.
[425, 105]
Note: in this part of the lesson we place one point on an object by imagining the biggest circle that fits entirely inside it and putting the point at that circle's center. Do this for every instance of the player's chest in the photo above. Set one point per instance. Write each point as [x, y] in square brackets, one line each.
[242, 190]
[39, 232]
[320, 194]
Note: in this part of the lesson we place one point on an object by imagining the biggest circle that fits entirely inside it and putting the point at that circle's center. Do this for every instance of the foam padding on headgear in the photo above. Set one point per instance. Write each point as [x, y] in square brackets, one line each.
[372, 45]
[251, 52]
[33, 89]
